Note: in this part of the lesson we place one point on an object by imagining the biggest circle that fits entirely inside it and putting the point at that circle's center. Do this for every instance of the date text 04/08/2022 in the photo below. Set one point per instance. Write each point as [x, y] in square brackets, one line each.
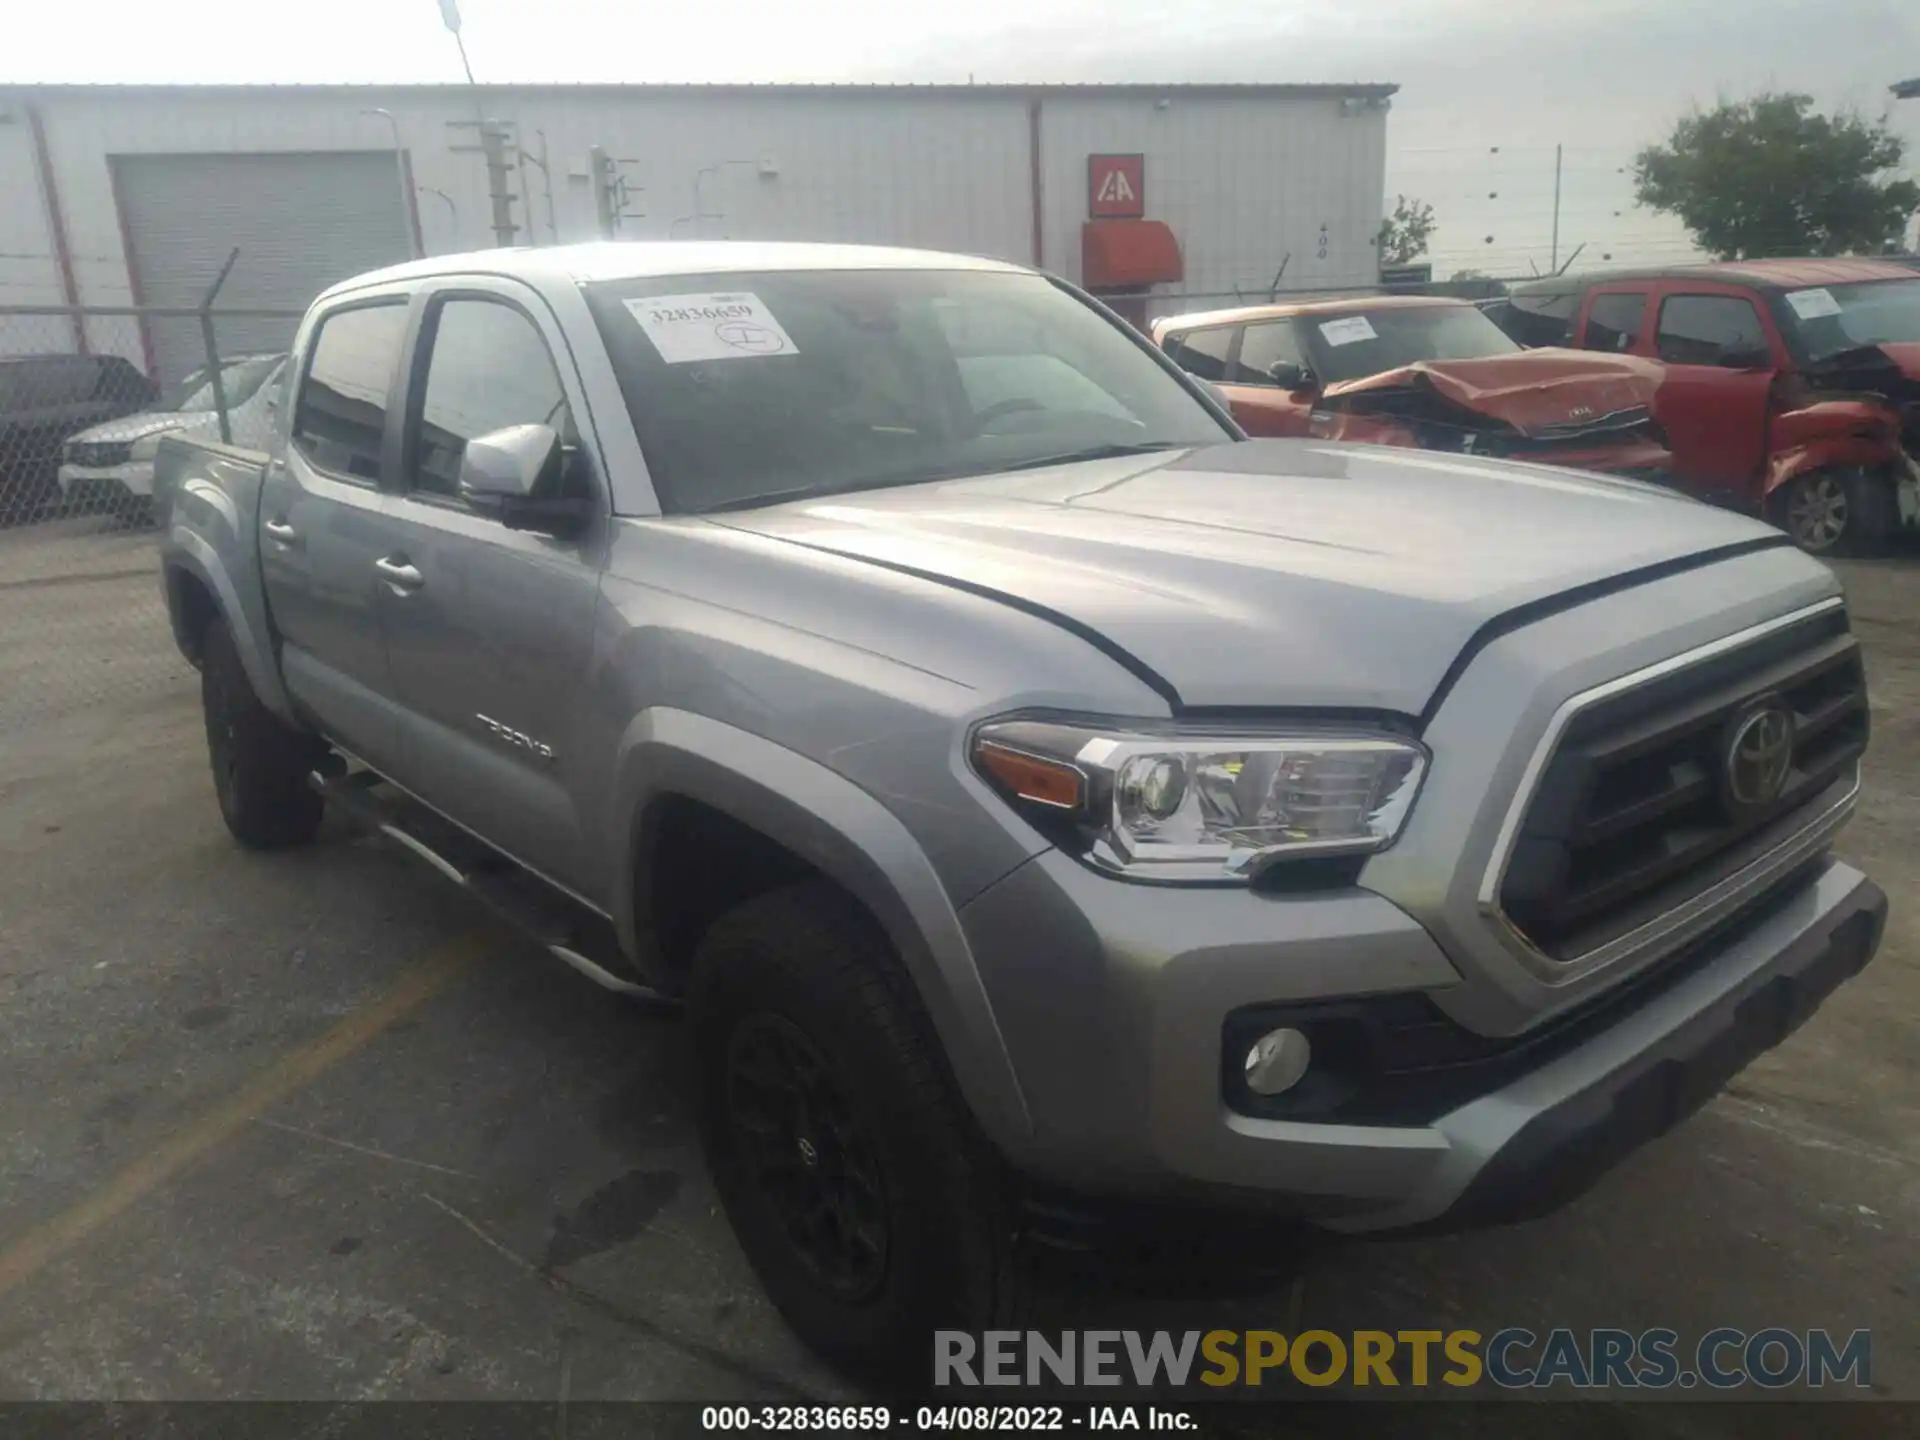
[942, 1419]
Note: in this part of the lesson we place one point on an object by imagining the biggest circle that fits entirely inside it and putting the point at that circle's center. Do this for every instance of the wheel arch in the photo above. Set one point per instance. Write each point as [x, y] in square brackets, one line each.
[827, 825]
[198, 591]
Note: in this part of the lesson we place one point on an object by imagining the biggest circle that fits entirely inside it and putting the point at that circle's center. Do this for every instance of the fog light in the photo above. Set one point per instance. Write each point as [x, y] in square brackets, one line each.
[1277, 1061]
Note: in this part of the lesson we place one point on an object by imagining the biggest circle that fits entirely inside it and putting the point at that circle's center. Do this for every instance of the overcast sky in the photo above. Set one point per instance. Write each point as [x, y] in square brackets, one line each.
[1600, 77]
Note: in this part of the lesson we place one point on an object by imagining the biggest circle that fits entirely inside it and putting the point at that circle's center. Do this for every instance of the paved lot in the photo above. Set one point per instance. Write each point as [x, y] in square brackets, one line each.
[306, 1126]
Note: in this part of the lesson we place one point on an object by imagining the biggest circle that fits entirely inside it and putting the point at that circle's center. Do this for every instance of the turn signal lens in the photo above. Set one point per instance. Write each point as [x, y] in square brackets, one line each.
[1045, 782]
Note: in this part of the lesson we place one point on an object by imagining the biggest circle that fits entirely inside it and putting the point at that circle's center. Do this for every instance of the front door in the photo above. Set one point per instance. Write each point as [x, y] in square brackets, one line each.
[1262, 405]
[490, 630]
[324, 523]
[1715, 397]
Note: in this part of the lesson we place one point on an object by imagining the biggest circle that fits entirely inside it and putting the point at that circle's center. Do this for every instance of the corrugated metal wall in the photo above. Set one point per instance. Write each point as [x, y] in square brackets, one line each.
[1244, 183]
[1243, 179]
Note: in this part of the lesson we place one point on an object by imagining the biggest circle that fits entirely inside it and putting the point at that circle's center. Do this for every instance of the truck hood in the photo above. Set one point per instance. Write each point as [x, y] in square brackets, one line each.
[137, 427]
[1269, 572]
[1535, 392]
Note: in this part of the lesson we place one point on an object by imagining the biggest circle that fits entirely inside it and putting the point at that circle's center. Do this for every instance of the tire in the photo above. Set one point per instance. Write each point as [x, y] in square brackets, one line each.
[921, 1235]
[260, 763]
[1853, 511]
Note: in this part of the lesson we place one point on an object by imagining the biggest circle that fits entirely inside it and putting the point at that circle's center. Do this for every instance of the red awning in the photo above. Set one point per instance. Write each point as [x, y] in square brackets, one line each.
[1124, 254]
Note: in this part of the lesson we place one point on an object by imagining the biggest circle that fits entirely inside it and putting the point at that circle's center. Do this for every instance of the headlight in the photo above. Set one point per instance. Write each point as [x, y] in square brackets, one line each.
[1213, 804]
[147, 446]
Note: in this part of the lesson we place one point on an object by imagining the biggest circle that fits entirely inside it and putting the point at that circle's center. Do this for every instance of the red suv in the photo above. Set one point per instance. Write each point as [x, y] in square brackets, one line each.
[1792, 387]
[1421, 371]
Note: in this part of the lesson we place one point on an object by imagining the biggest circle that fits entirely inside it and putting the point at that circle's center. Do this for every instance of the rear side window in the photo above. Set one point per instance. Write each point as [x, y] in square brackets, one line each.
[1699, 329]
[343, 399]
[1614, 322]
[1202, 352]
[490, 369]
[1264, 346]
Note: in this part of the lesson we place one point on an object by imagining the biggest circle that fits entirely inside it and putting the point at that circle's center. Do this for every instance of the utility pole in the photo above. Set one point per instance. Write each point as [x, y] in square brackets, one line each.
[1553, 263]
[493, 141]
[606, 182]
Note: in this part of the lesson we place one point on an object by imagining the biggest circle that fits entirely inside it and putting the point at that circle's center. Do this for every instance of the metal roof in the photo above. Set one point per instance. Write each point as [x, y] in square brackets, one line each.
[653, 259]
[1359, 89]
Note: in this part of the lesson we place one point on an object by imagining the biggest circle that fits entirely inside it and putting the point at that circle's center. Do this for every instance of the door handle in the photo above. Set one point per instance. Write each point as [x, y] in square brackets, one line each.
[399, 574]
[281, 533]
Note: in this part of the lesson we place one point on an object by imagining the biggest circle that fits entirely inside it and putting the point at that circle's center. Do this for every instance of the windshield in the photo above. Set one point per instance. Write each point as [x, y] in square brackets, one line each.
[1349, 347]
[1825, 321]
[241, 379]
[750, 388]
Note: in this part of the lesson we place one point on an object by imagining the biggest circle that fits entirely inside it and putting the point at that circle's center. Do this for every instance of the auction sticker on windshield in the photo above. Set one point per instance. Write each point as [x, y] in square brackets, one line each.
[685, 328]
[1348, 330]
[1813, 304]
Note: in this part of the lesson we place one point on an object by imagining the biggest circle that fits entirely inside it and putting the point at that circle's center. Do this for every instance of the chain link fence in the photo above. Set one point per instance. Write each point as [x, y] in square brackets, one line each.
[83, 407]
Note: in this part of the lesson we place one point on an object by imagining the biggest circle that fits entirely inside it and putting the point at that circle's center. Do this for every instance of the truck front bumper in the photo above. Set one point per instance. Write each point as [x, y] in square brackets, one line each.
[1127, 1071]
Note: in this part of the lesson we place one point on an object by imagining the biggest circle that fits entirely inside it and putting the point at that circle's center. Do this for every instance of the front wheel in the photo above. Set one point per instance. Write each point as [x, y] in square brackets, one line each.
[1838, 512]
[869, 1207]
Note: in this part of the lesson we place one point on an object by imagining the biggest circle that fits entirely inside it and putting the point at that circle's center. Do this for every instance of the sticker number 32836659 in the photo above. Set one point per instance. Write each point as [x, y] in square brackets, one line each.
[736, 326]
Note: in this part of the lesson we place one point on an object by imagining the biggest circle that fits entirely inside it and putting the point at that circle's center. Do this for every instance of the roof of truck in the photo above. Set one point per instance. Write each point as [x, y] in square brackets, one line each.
[1767, 274]
[651, 259]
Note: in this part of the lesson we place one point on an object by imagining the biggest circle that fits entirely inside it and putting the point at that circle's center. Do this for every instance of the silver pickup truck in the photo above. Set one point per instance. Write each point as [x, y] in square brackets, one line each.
[1032, 787]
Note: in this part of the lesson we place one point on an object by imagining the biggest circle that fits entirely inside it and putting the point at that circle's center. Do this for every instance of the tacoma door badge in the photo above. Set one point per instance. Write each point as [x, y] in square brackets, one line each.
[519, 740]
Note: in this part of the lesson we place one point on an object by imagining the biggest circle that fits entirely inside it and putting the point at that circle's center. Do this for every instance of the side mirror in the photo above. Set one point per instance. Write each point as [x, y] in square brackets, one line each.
[1290, 375]
[511, 475]
[1744, 357]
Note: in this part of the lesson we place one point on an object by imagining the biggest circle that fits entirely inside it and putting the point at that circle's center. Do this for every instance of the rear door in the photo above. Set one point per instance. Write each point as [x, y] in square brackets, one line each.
[1713, 403]
[490, 630]
[1262, 406]
[324, 522]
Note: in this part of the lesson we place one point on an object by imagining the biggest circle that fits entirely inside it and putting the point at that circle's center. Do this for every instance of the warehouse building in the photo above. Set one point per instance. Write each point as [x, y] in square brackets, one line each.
[1161, 197]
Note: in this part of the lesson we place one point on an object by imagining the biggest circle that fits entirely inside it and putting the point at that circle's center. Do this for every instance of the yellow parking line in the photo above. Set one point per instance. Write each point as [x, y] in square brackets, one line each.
[48, 1242]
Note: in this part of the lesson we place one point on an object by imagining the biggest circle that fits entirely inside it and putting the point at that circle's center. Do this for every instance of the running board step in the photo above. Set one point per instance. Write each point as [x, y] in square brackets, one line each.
[565, 929]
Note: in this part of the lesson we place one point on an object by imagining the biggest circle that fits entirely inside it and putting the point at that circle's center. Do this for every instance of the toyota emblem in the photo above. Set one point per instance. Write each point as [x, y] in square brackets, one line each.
[1758, 756]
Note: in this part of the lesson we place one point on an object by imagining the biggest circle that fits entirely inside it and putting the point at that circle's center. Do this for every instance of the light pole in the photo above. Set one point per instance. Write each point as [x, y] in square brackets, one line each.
[414, 247]
[450, 13]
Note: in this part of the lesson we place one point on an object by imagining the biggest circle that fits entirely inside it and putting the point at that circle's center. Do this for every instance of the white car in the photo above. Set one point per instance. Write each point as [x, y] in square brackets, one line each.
[113, 461]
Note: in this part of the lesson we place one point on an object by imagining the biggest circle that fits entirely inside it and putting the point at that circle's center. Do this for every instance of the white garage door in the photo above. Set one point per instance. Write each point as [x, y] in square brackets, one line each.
[302, 222]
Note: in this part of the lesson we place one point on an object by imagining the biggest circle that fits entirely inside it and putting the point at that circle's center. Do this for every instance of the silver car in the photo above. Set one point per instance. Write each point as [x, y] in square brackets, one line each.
[111, 464]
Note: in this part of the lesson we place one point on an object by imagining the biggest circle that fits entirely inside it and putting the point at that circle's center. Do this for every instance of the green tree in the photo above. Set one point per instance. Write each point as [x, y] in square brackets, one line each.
[1772, 176]
[1404, 233]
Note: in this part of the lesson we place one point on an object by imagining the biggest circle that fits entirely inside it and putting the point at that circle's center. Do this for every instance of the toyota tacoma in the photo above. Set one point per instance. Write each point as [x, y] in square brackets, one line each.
[1031, 786]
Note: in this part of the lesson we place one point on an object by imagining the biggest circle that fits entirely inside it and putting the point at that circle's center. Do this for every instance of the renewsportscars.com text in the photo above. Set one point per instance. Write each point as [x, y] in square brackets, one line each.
[1514, 1358]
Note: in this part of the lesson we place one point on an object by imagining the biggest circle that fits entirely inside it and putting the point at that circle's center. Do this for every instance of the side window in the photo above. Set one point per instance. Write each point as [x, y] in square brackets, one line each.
[1202, 352]
[1264, 346]
[342, 410]
[1614, 322]
[1698, 329]
[489, 369]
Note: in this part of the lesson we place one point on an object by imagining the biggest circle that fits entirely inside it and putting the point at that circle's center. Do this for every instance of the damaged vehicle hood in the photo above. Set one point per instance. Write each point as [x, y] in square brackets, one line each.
[1269, 572]
[1539, 393]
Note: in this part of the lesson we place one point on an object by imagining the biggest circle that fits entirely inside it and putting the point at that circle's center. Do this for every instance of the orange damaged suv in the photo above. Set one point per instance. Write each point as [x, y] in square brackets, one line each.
[1426, 372]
